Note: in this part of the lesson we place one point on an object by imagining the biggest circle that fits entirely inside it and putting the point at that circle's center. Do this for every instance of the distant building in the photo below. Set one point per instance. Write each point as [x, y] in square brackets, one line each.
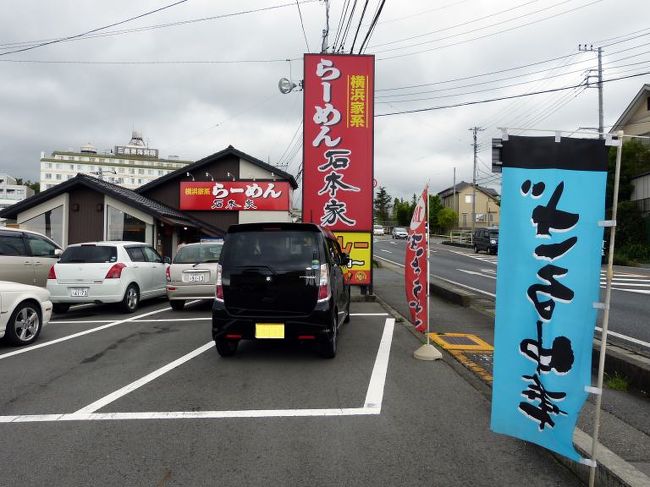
[641, 193]
[11, 193]
[130, 166]
[635, 120]
[459, 199]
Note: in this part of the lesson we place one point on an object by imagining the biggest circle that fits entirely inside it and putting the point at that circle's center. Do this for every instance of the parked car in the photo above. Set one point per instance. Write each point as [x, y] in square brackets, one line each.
[106, 272]
[280, 281]
[486, 239]
[26, 257]
[24, 311]
[400, 232]
[193, 273]
[377, 230]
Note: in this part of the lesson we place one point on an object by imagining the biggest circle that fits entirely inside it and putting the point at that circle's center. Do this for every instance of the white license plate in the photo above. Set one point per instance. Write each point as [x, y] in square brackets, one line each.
[79, 292]
[196, 278]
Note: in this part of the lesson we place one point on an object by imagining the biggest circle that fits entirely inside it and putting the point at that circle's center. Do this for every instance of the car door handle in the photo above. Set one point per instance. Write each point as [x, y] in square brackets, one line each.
[27, 262]
[38, 262]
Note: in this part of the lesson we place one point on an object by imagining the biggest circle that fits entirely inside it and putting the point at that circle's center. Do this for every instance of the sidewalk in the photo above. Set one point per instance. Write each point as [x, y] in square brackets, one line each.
[625, 417]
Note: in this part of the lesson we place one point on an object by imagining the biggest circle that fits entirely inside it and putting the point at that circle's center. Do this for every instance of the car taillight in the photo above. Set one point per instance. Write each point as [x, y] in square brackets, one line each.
[219, 290]
[324, 283]
[168, 275]
[52, 273]
[115, 272]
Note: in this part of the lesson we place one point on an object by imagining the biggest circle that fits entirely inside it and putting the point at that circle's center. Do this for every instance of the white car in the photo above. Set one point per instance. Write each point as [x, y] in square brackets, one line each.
[377, 230]
[106, 272]
[24, 311]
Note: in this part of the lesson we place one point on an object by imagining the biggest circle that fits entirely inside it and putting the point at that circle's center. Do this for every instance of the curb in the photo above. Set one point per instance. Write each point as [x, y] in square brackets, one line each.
[612, 470]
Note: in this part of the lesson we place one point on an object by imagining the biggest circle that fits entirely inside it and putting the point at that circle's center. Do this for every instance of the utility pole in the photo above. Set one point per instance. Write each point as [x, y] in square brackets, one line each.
[326, 30]
[474, 131]
[455, 208]
[599, 52]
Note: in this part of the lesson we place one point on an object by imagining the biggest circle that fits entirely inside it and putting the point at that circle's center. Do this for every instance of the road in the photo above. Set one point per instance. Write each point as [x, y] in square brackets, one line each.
[629, 326]
[144, 399]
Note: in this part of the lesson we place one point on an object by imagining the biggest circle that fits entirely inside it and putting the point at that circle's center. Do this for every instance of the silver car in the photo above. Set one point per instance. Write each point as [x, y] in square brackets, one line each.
[26, 257]
[193, 273]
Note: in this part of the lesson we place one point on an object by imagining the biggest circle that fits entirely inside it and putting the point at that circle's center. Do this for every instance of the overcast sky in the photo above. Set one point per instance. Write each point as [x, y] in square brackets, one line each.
[57, 97]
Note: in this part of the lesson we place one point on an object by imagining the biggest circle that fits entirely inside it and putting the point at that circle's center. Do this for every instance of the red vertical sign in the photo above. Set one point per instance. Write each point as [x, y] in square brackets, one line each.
[338, 141]
[416, 265]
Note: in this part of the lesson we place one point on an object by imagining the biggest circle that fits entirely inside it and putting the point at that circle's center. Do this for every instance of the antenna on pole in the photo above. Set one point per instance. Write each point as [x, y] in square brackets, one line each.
[326, 30]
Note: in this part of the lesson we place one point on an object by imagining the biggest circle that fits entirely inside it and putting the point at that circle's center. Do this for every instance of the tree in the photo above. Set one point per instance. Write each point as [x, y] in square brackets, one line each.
[435, 205]
[35, 186]
[447, 218]
[635, 160]
[382, 205]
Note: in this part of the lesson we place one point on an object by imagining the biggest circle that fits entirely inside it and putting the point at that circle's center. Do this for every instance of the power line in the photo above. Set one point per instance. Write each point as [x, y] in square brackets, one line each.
[371, 29]
[515, 68]
[339, 28]
[303, 26]
[344, 36]
[490, 34]
[443, 7]
[155, 27]
[460, 24]
[76, 36]
[489, 100]
[363, 12]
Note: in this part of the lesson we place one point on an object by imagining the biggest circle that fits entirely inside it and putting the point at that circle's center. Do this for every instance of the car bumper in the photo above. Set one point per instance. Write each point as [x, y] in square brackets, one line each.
[191, 291]
[106, 292]
[316, 325]
[46, 309]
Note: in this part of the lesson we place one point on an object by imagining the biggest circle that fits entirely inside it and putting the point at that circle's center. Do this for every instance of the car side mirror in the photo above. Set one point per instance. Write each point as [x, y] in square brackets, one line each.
[345, 259]
[58, 253]
[167, 260]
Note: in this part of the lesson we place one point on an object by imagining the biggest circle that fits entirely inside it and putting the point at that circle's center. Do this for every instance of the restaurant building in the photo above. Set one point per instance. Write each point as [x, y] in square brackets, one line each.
[200, 200]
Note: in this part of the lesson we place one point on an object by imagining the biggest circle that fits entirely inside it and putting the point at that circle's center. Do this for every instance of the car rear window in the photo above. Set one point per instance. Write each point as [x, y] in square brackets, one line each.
[494, 234]
[89, 254]
[277, 249]
[191, 254]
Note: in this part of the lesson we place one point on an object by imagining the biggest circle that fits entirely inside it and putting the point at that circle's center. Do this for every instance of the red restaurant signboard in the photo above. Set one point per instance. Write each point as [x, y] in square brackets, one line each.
[235, 196]
[338, 141]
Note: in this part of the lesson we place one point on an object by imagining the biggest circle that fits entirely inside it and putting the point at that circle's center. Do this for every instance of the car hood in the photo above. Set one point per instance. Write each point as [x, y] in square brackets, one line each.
[15, 287]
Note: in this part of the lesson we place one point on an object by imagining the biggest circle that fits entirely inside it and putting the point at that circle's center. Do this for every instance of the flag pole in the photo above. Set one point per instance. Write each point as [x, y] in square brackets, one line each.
[608, 297]
[427, 351]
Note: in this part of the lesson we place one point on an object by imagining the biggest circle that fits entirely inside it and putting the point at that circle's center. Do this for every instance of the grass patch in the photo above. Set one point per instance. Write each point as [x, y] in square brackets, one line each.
[617, 382]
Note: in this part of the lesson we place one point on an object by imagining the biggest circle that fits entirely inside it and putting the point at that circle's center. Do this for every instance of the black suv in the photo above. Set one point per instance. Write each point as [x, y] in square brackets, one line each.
[486, 239]
[280, 281]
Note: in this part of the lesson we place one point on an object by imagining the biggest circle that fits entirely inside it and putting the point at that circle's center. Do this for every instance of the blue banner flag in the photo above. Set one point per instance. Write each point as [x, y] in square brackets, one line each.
[548, 280]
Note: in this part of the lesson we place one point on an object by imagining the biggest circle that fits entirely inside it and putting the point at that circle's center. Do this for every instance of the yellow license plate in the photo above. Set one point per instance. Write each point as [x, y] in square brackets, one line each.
[269, 330]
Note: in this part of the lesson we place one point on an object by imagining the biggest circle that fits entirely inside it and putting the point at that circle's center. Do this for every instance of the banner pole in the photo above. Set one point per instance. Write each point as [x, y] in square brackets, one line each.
[608, 296]
[426, 215]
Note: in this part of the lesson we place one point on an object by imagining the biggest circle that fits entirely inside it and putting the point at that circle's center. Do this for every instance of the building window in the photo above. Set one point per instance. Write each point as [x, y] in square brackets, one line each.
[464, 219]
[58, 166]
[70, 158]
[48, 175]
[49, 223]
[468, 198]
[58, 177]
[122, 226]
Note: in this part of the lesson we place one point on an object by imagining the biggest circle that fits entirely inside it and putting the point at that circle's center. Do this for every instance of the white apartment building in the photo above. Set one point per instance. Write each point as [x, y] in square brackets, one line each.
[11, 193]
[130, 165]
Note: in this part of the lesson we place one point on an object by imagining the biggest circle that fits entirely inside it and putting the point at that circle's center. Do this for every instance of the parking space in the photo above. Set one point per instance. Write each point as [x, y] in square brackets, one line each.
[158, 361]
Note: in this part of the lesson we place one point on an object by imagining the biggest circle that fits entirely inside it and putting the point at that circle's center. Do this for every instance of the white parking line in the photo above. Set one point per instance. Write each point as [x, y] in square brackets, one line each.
[368, 314]
[81, 321]
[375, 393]
[81, 333]
[372, 405]
[114, 396]
[384, 250]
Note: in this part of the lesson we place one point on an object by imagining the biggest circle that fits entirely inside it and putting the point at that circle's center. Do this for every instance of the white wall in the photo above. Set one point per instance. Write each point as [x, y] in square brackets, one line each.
[264, 216]
[250, 171]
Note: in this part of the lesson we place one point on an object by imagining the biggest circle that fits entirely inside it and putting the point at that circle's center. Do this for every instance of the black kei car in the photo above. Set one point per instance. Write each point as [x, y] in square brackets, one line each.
[486, 239]
[280, 281]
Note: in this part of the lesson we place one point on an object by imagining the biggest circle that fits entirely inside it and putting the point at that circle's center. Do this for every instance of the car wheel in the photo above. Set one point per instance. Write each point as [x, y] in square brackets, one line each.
[328, 345]
[131, 299]
[347, 310]
[177, 304]
[226, 348]
[25, 324]
[475, 249]
[60, 308]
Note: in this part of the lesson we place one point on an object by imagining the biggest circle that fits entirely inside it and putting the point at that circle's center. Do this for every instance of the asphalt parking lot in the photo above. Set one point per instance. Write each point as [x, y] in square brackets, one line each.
[105, 398]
